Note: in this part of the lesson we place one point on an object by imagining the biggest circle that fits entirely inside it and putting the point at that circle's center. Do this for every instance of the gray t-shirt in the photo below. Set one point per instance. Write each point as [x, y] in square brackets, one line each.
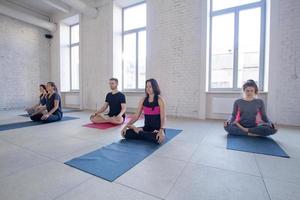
[249, 113]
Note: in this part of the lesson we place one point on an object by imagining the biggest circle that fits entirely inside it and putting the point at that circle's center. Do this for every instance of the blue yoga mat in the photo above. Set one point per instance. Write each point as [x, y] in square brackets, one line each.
[64, 111]
[260, 145]
[5, 127]
[113, 160]
[24, 115]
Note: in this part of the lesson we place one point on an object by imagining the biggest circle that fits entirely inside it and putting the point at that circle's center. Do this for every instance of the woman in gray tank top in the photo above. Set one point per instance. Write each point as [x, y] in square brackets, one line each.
[249, 115]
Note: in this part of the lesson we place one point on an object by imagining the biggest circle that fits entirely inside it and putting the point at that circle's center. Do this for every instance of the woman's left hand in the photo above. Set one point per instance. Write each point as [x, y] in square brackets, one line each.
[160, 136]
[45, 116]
[226, 123]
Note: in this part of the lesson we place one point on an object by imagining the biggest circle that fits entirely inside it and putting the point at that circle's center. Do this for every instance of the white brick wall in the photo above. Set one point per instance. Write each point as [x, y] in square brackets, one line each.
[284, 87]
[174, 50]
[97, 51]
[24, 62]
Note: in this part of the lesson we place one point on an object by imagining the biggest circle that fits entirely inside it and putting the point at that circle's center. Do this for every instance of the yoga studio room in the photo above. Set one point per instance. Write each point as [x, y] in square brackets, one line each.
[150, 99]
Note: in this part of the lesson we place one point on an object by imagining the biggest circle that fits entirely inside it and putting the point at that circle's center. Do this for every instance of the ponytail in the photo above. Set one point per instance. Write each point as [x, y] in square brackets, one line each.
[53, 85]
[250, 83]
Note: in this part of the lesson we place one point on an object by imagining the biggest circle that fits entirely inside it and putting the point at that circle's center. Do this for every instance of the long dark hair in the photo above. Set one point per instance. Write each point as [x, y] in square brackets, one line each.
[250, 83]
[155, 87]
[44, 87]
[156, 91]
[53, 85]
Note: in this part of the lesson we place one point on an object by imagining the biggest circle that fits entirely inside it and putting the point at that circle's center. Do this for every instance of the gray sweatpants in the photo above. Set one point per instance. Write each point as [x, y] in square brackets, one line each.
[261, 130]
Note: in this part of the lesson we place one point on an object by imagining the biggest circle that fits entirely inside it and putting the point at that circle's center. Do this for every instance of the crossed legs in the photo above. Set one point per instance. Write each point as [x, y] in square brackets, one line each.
[260, 130]
[101, 118]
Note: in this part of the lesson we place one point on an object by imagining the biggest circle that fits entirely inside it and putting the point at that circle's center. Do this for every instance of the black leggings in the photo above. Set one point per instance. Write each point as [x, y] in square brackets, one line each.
[142, 135]
[51, 118]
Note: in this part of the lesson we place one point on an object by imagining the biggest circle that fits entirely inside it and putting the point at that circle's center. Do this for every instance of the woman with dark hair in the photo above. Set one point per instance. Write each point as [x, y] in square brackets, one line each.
[53, 106]
[41, 105]
[249, 116]
[153, 106]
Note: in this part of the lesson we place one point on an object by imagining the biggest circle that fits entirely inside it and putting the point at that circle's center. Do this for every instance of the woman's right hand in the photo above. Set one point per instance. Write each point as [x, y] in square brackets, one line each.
[123, 131]
[226, 123]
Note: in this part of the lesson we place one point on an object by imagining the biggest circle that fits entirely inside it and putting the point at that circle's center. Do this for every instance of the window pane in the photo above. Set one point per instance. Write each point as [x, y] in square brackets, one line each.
[130, 61]
[135, 17]
[75, 67]
[249, 45]
[142, 60]
[65, 73]
[222, 51]
[74, 34]
[222, 4]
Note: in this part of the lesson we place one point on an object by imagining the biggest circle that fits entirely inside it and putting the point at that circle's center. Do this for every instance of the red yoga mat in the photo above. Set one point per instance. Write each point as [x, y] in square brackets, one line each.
[104, 126]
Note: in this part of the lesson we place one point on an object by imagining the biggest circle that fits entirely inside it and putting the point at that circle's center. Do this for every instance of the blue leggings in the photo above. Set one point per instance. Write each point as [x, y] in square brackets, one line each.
[51, 118]
[261, 130]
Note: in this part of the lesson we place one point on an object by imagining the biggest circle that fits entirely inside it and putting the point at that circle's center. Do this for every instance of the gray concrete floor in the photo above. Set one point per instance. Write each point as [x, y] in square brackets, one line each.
[194, 165]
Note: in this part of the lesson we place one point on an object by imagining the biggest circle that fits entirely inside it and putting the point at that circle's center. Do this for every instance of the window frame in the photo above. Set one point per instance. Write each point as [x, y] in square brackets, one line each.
[136, 31]
[70, 53]
[235, 10]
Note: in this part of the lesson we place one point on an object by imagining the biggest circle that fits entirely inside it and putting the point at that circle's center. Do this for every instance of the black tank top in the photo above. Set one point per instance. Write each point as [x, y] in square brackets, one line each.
[152, 114]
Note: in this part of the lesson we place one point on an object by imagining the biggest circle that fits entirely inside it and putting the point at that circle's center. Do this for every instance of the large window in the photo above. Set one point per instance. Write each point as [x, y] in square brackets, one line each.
[237, 41]
[134, 47]
[74, 56]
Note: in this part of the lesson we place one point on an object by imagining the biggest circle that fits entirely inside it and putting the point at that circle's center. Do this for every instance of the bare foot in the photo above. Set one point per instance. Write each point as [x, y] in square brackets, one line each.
[104, 116]
[134, 128]
[253, 135]
[241, 127]
[116, 120]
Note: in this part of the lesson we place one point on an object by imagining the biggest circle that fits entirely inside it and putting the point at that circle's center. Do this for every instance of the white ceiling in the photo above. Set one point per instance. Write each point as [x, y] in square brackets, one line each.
[125, 3]
[71, 20]
[43, 8]
[38, 6]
